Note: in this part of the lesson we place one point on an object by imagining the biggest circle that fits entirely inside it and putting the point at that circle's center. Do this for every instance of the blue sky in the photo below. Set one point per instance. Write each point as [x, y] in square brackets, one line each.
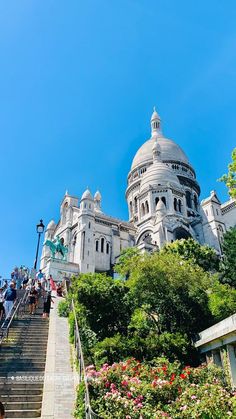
[78, 81]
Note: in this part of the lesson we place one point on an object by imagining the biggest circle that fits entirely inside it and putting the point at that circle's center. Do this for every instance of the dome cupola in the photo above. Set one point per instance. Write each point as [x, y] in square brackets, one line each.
[155, 123]
[87, 195]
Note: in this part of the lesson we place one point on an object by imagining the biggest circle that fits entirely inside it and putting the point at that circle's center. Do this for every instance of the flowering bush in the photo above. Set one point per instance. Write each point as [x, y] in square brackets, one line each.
[134, 390]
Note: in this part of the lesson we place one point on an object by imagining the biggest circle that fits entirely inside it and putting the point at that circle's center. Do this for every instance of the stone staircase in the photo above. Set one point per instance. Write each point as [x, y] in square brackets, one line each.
[22, 365]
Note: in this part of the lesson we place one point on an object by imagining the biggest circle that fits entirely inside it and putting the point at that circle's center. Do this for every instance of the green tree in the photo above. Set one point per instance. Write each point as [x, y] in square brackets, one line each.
[228, 264]
[230, 178]
[222, 300]
[173, 292]
[102, 302]
[191, 250]
[127, 261]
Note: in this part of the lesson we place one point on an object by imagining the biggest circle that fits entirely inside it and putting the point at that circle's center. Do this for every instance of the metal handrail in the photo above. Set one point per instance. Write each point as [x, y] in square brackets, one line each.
[4, 331]
[89, 413]
[8, 321]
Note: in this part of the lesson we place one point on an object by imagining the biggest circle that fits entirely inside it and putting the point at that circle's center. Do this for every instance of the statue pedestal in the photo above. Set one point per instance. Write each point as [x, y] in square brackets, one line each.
[60, 269]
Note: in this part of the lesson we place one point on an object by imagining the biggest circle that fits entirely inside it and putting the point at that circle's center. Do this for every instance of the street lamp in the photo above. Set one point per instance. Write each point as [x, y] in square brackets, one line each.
[40, 230]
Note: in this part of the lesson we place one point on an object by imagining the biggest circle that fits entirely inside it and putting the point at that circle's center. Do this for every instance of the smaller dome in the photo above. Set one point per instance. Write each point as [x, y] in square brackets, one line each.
[87, 195]
[51, 225]
[97, 196]
[159, 174]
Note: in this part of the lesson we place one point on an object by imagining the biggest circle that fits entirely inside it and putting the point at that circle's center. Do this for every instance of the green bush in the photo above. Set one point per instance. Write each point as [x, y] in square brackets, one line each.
[71, 327]
[64, 308]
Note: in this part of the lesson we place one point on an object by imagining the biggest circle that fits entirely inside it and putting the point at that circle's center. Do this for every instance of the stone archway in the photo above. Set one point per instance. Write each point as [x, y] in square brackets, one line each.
[181, 233]
[145, 237]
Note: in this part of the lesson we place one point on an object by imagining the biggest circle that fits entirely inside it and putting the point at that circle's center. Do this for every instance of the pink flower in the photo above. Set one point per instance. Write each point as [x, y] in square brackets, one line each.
[89, 367]
[113, 386]
[140, 405]
[183, 407]
[129, 395]
[124, 383]
[193, 397]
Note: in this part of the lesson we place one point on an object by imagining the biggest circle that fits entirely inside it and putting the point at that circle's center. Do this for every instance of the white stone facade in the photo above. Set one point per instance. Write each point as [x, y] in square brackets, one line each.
[163, 203]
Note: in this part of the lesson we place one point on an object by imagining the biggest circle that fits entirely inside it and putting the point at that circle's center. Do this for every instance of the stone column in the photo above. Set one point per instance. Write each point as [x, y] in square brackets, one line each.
[217, 358]
[232, 364]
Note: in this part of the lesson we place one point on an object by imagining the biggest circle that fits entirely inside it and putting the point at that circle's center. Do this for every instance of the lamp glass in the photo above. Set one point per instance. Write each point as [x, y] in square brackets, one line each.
[40, 227]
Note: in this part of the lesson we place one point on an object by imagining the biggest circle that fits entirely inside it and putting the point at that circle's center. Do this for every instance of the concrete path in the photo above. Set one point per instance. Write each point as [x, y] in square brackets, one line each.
[60, 380]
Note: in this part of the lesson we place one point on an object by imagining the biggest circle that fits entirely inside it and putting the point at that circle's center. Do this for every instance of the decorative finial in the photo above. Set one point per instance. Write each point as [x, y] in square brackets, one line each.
[66, 192]
[154, 108]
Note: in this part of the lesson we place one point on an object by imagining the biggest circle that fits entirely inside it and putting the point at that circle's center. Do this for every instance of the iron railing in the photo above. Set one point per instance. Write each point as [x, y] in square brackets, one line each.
[89, 413]
[82, 376]
[17, 310]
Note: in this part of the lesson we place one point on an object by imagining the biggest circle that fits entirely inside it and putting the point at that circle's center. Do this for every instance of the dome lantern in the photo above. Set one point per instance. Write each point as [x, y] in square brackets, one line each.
[155, 123]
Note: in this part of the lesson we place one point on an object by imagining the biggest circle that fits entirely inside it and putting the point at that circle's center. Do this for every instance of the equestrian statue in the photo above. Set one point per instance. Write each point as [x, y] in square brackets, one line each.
[56, 246]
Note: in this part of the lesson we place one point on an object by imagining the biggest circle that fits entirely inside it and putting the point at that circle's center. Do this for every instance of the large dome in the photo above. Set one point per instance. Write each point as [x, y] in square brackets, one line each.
[169, 151]
[159, 174]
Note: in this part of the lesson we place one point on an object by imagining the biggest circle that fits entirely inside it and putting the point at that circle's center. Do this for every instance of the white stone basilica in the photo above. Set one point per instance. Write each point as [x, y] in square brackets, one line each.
[163, 201]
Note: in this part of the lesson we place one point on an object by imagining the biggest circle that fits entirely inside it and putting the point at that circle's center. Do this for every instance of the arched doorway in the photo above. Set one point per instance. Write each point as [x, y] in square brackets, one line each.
[181, 233]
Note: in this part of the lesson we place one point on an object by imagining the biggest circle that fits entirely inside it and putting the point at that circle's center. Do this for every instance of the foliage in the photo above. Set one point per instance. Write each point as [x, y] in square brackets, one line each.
[103, 303]
[230, 178]
[222, 300]
[80, 408]
[135, 390]
[191, 250]
[71, 326]
[228, 264]
[127, 261]
[173, 292]
[64, 308]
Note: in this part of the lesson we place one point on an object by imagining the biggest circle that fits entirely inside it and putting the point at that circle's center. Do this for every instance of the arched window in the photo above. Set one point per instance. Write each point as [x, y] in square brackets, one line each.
[64, 213]
[89, 225]
[179, 205]
[107, 248]
[156, 200]
[142, 209]
[146, 207]
[96, 245]
[188, 199]
[102, 245]
[163, 200]
[85, 205]
[131, 208]
[74, 240]
[135, 205]
[175, 204]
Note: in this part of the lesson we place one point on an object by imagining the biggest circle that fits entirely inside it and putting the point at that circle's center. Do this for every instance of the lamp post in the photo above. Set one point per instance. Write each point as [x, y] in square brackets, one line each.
[40, 230]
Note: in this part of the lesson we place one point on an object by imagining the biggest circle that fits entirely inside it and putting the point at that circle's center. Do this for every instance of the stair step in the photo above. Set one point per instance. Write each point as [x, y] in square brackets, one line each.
[23, 414]
[21, 398]
[20, 392]
[22, 405]
[24, 354]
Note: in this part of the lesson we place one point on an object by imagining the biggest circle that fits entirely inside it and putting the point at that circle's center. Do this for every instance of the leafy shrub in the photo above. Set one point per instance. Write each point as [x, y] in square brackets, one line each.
[64, 308]
[71, 327]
